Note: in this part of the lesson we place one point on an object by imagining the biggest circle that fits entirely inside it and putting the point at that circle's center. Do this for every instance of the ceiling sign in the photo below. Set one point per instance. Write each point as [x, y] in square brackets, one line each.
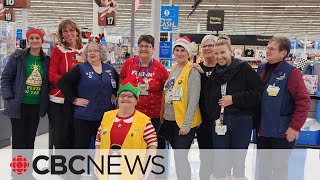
[215, 20]
[7, 14]
[107, 12]
[16, 3]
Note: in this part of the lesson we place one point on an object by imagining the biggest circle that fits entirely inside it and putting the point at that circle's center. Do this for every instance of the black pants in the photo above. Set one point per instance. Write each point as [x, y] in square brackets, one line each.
[204, 138]
[273, 156]
[181, 144]
[61, 121]
[23, 135]
[84, 131]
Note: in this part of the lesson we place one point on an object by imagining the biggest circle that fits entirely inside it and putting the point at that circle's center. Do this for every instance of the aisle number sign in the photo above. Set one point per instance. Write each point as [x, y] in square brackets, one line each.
[169, 18]
[16, 3]
[7, 14]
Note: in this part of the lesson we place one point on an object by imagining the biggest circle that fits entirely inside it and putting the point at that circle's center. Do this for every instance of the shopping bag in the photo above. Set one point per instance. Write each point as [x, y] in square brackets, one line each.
[310, 80]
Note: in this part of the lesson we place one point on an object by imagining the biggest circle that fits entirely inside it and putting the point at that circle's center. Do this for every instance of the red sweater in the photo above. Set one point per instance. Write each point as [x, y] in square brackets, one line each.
[62, 60]
[157, 76]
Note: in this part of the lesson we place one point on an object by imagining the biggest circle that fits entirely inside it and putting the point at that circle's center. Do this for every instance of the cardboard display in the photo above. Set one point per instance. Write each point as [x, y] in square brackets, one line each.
[7, 14]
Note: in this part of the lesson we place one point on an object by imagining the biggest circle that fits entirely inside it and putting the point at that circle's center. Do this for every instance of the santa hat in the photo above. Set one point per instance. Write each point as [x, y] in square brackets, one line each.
[184, 42]
[40, 32]
[130, 83]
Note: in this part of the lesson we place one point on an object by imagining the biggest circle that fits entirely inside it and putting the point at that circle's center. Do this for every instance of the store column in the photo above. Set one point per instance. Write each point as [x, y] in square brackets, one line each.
[95, 27]
[24, 14]
[155, 25]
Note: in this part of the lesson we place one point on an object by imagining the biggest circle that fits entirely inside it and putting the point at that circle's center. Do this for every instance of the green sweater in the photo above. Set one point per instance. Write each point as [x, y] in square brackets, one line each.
[34, 80]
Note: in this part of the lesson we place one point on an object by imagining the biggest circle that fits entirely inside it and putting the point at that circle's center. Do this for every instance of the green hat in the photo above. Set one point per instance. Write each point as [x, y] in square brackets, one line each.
[130, 83]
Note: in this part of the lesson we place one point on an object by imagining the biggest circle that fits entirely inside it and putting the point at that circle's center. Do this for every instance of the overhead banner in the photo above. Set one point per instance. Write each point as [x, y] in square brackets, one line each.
[7, 14]
[106, 12]
[215, 20]
[169, 18]
[16, 3]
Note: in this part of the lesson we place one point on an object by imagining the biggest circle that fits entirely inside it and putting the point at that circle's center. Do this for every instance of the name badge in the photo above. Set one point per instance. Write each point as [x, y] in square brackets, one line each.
[177, 94]
[144, 87]
[221, 130]
[113, 83]
[273, 90]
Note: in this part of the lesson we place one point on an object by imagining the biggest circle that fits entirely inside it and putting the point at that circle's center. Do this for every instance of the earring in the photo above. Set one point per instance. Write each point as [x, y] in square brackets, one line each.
[63, 40]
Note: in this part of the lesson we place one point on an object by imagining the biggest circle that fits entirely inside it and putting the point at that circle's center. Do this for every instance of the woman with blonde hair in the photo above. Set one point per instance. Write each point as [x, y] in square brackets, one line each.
[235, 90]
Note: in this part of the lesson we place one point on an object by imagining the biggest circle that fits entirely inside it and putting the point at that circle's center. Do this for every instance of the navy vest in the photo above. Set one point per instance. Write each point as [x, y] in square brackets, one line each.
[276, 112]
[97, 90]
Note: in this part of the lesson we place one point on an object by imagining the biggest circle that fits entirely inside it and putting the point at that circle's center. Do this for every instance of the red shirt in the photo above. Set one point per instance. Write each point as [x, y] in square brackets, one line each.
[157, 76]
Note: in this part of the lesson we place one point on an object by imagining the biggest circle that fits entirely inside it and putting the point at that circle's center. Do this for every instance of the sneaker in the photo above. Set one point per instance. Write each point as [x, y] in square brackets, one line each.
[223, 178]
[238, 178]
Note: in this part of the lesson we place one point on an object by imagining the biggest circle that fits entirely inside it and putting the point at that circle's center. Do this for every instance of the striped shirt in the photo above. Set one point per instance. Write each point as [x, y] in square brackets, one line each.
[121, 128]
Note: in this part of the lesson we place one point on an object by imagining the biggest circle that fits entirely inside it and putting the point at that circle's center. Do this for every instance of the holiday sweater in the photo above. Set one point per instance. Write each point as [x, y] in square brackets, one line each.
[157, 76]
[62, 60]
[34, 74]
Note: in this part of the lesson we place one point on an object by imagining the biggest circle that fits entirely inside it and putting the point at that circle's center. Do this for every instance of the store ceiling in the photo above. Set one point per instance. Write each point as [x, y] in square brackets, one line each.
[292, 18]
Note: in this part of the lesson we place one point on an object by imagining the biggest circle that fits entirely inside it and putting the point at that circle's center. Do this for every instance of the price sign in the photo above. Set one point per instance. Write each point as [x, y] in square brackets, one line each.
[17, 3]
[8, 14]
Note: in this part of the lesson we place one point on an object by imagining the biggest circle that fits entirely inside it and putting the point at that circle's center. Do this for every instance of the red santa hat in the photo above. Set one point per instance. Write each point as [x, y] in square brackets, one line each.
[184, 42]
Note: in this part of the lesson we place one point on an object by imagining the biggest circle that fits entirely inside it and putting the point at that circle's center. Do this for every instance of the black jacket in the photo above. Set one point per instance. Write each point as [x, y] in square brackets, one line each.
[243, 83]
[13, 83]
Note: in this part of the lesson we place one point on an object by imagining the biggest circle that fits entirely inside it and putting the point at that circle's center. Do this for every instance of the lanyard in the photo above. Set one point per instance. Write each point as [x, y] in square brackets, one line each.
[223, 93]
[148, 68]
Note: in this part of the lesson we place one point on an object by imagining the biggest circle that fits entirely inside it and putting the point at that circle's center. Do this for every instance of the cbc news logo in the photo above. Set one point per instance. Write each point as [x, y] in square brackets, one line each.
[19, 164]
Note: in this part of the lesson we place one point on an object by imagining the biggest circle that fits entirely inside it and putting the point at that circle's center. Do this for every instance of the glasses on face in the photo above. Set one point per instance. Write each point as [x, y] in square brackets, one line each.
[66, 31]
[129, 96]
[93, 50]
[208, 46]
[271, 48]
[144, 46]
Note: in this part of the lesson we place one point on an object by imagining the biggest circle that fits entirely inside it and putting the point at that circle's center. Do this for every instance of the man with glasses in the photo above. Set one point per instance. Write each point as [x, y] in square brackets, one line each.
[284, 108]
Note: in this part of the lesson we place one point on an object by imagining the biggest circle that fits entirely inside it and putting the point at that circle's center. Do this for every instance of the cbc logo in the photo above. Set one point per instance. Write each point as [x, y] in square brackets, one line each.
[19, 164]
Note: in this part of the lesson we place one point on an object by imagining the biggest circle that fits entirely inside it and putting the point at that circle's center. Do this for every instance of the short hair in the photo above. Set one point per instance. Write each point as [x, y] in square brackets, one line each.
[224, 40]
[62, 26]
[147, 38]
[102, 51]
[209, 37]
[284, 44]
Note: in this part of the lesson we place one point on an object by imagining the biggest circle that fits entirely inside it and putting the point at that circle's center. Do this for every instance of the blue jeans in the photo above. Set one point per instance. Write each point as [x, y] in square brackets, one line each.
[237, 138]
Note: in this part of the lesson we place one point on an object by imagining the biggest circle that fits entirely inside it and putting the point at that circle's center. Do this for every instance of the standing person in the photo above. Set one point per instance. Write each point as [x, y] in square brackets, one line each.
[284, 109]
[234, 90]
[181, 112]
[95, 89]
[24, 86]
[153, 73]
[63, 58]
[204, 133]
[126, 127]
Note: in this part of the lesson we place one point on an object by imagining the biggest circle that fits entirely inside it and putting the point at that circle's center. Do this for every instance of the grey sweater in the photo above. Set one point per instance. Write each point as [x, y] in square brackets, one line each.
[194, 87]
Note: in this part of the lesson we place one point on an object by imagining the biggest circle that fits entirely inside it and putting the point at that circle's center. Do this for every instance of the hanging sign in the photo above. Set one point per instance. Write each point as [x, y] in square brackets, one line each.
[7, 14]
[215, 20]
[107, 12]
[169, 17]
[16, 3]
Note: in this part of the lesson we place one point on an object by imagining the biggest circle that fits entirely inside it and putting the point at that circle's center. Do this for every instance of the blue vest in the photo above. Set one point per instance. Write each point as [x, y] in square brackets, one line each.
[97, 90]
[276, 112]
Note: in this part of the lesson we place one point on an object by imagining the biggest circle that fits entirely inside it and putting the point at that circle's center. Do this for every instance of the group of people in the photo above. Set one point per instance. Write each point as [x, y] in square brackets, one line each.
[221, 100]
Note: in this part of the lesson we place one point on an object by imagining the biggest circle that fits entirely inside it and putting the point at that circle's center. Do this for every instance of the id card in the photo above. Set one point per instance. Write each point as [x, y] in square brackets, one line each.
[79, 58]
[221, 130]
[143, 89]
[177, 94]
[113, 83]
[273, 90]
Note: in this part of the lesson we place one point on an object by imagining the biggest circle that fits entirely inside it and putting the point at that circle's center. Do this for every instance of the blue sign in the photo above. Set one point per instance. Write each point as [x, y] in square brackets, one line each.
[318, 48]
[293, 44]
[165, 51]
[19, 34]
[169, 17]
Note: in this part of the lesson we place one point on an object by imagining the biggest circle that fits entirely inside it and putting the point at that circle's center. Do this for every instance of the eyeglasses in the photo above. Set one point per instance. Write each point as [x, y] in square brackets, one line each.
[208, 46]
[93, 51]
[68, 31]
[271, 48]
[129, 96]
[144, 46]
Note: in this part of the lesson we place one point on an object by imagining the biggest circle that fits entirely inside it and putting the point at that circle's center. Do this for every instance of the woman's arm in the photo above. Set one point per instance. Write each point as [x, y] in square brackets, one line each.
[8, 77]
[68, 83]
